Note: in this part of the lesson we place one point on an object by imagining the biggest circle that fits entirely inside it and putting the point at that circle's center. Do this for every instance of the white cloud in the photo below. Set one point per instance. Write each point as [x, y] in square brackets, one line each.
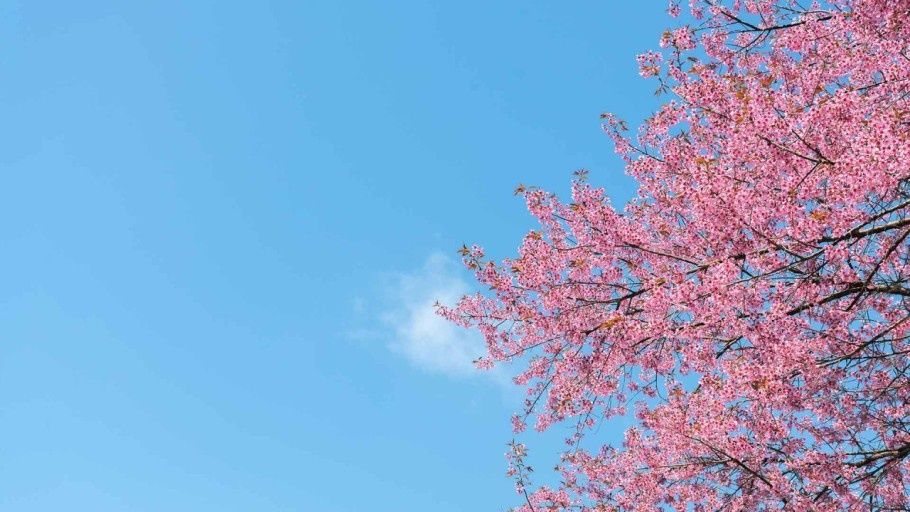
[427, 340]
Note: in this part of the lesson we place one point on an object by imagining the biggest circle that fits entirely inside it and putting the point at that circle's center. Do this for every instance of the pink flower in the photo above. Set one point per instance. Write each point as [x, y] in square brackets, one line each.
[750, 305]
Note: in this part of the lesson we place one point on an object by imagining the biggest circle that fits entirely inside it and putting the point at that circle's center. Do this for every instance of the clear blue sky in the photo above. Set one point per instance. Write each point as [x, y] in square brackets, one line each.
[221, 220]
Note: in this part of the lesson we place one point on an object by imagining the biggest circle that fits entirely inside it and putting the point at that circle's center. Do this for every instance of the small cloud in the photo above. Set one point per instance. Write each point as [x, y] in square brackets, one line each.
[427, 340]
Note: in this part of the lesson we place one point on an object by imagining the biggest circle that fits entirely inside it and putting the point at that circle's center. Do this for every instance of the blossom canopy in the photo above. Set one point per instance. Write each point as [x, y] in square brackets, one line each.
[751, 306]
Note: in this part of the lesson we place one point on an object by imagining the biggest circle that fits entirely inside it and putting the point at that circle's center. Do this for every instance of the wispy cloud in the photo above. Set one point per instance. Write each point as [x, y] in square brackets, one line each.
[417, 332]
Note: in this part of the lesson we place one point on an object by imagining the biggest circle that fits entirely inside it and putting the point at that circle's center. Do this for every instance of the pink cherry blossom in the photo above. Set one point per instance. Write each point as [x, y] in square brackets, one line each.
[751, 305]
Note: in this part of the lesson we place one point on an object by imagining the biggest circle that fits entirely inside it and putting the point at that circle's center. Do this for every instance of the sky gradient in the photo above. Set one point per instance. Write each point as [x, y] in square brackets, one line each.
[225, 222]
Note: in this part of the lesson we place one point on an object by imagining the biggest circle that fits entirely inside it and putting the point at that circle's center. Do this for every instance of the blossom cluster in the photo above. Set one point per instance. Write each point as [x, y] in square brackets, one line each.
[751, 306]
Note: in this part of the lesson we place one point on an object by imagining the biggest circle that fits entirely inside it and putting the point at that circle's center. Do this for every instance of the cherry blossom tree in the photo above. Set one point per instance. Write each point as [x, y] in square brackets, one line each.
[751, 306]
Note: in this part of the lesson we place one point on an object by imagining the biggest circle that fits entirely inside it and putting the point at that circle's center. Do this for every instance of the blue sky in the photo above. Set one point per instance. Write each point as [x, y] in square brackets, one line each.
[224, 222]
